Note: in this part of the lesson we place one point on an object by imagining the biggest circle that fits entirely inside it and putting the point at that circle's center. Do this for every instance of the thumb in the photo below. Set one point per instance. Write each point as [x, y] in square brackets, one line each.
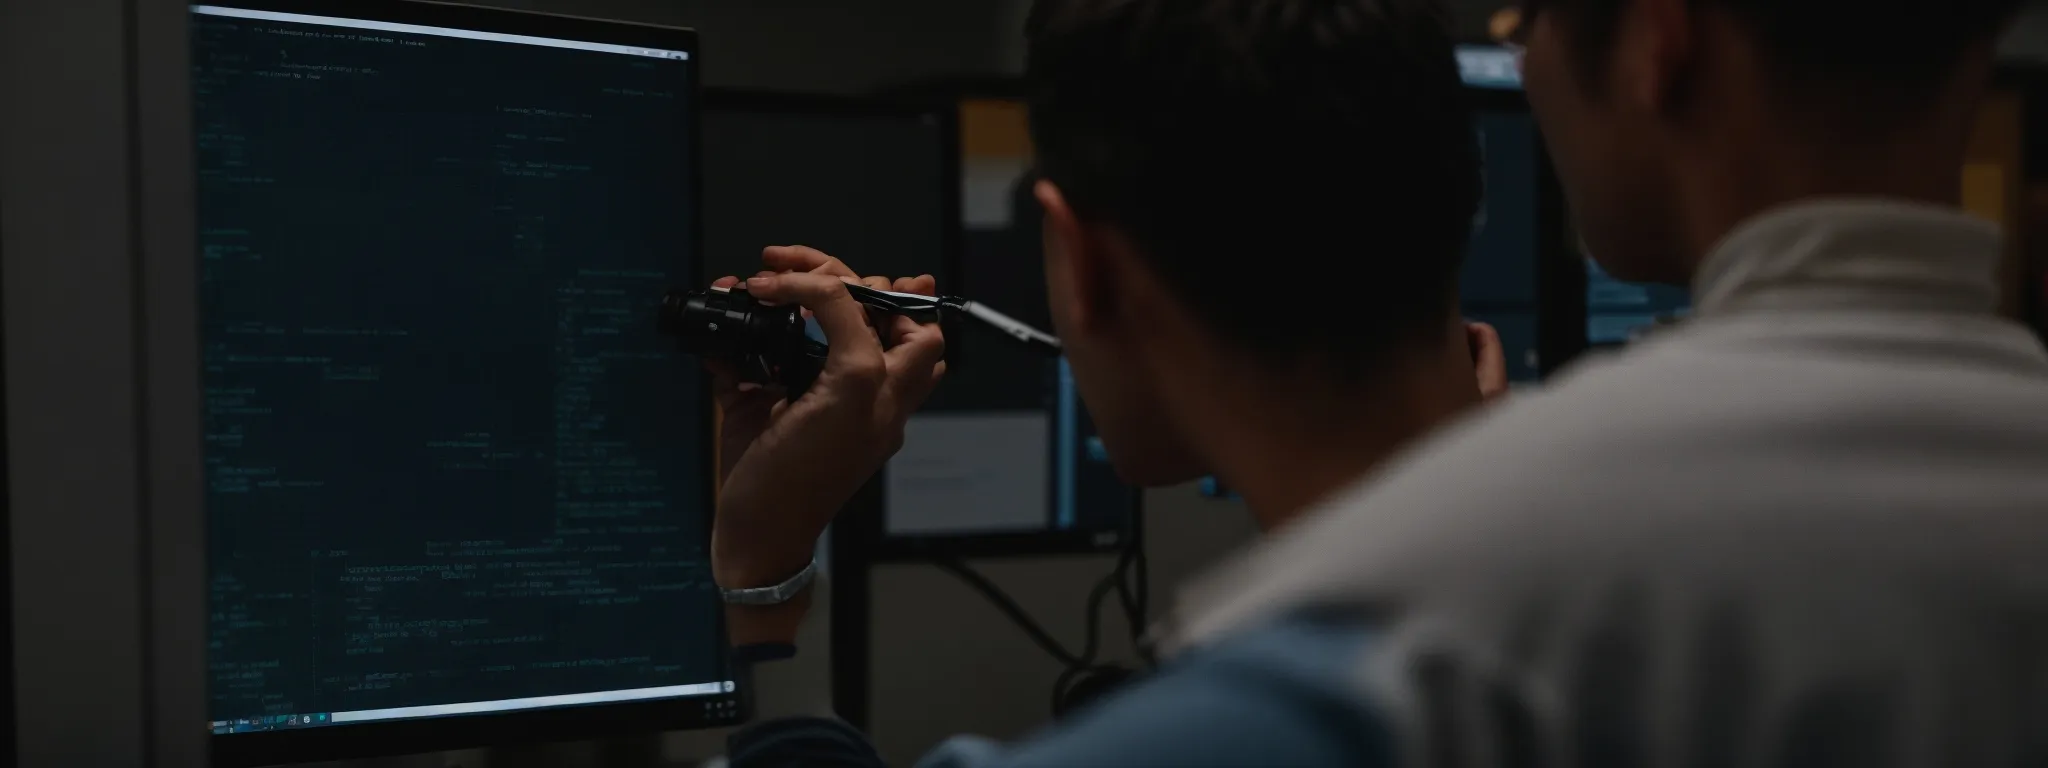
[1489, 359]
[854, 347]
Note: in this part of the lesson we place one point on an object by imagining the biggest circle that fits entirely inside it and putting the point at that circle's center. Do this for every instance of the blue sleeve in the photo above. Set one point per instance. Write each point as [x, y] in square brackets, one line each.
[1286, 695]
[801, 742]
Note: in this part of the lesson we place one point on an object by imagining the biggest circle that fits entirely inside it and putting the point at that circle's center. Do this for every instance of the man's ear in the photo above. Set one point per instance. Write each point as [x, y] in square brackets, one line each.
[1662, 41]
[1078, 272]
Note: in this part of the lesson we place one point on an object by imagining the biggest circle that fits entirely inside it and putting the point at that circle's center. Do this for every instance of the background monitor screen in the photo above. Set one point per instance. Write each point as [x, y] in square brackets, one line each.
[1500, 284]
[1617, 312]
[1004, 456]
[1504, 250]
[451, 468]
[865, 183]
[974, 471]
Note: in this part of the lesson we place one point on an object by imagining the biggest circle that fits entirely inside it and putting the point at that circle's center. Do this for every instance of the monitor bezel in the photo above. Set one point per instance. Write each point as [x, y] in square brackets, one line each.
[413, 736]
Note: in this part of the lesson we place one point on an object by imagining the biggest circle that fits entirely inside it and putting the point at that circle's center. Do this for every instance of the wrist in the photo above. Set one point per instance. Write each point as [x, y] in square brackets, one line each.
[757, 567]
[756, 624]
[748, 555]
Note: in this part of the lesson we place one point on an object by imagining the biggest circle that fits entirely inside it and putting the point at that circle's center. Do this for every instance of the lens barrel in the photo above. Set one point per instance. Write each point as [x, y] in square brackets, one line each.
[729, 325]
[766, 343]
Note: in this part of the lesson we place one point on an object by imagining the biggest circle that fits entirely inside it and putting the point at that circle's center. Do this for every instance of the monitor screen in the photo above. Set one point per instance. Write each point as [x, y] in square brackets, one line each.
[1004, 458]
[1504, 249]
[1489, 67]
[451, 468]
[1617, 312]
[865, 183]
[966, 472]
[1500, 284]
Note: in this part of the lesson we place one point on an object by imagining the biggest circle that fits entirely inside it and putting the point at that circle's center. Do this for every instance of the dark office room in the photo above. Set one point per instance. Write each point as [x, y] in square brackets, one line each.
[1023, 383]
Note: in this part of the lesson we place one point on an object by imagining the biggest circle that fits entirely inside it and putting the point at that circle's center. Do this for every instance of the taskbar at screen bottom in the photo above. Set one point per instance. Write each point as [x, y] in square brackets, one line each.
[318, 719]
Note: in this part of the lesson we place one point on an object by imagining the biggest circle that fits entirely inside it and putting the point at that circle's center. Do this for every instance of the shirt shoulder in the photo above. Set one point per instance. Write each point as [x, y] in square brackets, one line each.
[1285, 694]
[1667, 460]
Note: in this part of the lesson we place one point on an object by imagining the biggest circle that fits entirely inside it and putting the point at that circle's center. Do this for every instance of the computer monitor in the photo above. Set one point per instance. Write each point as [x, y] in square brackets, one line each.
[1613, 311]
[1618, 312]
[1004, 459]
[866, 181]
[458, 488]
[1518, 276]
[1501, 281]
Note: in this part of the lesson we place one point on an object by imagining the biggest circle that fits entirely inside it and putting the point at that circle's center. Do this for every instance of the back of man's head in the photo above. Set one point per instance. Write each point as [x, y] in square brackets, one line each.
[1850, 53]
[1672, 120]
[1300, 174]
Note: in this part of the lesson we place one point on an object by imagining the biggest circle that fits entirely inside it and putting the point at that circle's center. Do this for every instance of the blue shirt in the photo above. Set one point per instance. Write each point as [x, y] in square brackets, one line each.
[1282, 695]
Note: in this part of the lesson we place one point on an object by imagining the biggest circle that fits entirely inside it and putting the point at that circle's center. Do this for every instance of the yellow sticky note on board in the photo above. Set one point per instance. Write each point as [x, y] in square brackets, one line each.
[1985, 193]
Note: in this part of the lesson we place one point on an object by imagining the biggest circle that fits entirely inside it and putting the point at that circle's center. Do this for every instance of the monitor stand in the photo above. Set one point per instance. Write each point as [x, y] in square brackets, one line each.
[626, 752]
[644, 751]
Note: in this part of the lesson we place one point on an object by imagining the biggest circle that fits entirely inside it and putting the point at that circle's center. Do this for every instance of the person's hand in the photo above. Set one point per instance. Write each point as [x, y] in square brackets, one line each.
[788, 466]
[1489, 360]
[744, 409]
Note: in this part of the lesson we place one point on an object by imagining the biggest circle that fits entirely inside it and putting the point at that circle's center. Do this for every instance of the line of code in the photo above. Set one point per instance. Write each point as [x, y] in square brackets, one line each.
[448, 457]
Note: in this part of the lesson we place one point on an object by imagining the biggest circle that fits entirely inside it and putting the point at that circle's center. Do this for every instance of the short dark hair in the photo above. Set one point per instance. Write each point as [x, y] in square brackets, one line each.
[1867, 52]
[1303, 174]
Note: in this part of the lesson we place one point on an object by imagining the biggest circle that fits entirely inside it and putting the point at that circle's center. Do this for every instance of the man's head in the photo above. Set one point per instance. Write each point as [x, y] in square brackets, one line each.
[1267, 186]
[1671, 120]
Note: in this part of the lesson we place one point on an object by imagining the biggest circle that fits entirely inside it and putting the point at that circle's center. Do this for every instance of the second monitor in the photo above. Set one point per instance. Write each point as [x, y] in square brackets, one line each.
[1005, 458]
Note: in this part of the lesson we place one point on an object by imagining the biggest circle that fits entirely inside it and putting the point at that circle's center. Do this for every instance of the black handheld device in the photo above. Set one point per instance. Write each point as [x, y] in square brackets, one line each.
[771, 344]
[767, 342]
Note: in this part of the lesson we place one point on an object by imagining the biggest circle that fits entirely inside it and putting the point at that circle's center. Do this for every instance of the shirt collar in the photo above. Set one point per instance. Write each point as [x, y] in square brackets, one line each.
[1854, 255]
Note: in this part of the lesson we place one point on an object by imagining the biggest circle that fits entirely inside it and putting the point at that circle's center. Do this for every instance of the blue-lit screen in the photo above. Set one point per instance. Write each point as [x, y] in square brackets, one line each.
[1616, 311]
[451, 468]
[1005, 446]
[1500, 284]
[1087, 494]
[965, 472]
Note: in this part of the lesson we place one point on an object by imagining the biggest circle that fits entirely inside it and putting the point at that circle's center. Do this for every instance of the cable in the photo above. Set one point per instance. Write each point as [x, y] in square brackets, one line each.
[1081, 670]
[1144, 579]
[1096, 597]
[1134, 594]
[1127, 600]
[1063, 688]
[1009, 608]
[1140, 614]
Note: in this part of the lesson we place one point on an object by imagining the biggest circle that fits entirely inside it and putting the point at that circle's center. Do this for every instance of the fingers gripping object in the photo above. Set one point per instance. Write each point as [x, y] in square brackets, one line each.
[767, 342]
[770, 345]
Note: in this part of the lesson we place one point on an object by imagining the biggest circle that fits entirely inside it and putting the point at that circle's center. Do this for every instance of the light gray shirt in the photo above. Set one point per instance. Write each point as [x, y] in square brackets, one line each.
[1807, 528]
